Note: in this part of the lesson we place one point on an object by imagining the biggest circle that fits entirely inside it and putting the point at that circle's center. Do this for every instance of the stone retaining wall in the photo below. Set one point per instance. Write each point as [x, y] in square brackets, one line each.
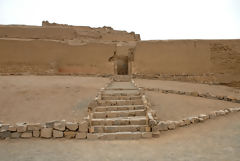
[196, 94]
[51, 129]
[171, 125]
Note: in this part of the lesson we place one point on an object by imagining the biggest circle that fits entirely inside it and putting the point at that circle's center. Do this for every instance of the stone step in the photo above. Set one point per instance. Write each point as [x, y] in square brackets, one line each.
[120, 128]
[122, 78]
[119, 108]
[120, 93]
[137, 120]
[121, 97]
[119, 135]
[120, 102]
[123, 113]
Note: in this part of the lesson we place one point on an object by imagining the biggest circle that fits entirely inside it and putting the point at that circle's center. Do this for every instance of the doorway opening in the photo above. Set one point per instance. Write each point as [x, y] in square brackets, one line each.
[122, 65]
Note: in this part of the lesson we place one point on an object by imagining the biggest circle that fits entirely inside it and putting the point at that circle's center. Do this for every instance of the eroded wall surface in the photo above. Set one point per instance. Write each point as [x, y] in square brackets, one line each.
[63, 49]
[56, 32]
[194, 60]
[54, 57]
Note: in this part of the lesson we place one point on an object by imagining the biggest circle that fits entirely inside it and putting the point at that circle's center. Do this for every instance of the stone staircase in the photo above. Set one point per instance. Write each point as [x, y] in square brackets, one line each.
[120, 111]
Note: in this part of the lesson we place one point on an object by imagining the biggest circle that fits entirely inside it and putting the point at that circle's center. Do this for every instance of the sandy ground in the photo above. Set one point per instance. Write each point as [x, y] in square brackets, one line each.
[214, 140]
[176, 107]
[45, 98]
[189, 87]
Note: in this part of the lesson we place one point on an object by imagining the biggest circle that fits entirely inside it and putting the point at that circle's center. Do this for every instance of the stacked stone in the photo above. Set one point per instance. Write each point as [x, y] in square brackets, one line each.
[120, 111]
[52, 129]
[197, 94]
[171, 125]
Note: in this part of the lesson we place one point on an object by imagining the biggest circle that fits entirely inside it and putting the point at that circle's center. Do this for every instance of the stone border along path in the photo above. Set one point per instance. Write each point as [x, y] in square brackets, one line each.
[119, 111]
[171, 125]
[195, 94]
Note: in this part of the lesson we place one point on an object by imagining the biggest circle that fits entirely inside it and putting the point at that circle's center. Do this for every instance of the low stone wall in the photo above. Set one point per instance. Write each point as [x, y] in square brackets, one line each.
[52, 129]
[171, 125]
[196, 94]
[204, 78]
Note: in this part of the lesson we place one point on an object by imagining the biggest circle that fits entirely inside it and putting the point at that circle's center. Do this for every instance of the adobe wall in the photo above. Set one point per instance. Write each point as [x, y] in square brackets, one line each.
[54, 57]
[65, 32]
[57, 48]
[216, 61]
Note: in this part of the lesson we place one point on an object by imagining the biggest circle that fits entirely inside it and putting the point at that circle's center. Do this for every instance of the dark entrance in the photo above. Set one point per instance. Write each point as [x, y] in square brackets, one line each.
[122, 65]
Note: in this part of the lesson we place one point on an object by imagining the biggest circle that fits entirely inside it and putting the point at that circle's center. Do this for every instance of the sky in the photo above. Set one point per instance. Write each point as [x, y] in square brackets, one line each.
[152, 19]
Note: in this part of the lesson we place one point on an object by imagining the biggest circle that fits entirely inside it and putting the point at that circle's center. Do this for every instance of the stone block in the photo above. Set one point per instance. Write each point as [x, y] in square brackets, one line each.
[100, 129]
[226, 111]
[212, 115]
[83, 126]
[162, 126]
[50, 124]
[181, 123]
[4, 127]
[233, 109]
[12, 128]
[107, 136]
[91, 136]
[73, 126]
[128, 135]
[230, 98]
[81, 135]
[201, 120]
[57, 134]
[194, 94]
[187, 121]
[59, 125]
[220, 113]
[193, 119]
[15, 135]
[137, 122]
[147, 129]
[46, 132]
[26, 135]
[220, 97]
[203, 116]
[34, 127]
[99, 115]
[146, 135]
[69, 134]
[5, 134]
[155, 128]
[171, 125]
[21, 127]
[36, 133]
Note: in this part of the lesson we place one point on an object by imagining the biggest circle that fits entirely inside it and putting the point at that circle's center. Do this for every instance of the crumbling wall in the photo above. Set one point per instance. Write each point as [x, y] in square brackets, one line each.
[54, 31]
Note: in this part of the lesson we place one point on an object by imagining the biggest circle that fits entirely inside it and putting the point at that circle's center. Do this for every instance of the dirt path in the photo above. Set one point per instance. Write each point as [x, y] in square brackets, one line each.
[214, 140]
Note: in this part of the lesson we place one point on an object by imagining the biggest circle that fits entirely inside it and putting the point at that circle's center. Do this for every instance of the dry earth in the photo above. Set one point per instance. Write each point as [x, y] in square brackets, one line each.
[44, 98]
[214, 140]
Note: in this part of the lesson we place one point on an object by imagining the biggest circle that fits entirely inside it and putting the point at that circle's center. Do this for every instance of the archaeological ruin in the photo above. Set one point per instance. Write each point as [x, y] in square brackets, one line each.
[130, 78]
